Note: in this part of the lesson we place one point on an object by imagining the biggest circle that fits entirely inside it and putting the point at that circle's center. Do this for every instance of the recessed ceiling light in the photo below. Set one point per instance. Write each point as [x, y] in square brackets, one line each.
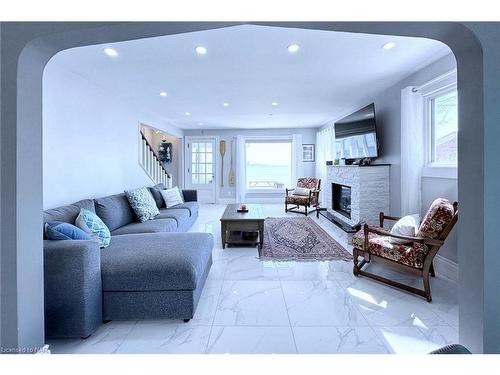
[225, 104]
[200, 123]
[163, 93]
[274, 103]
[200, 50]
[389, 45]
[187, 113]
[110, 52]
[292, 48]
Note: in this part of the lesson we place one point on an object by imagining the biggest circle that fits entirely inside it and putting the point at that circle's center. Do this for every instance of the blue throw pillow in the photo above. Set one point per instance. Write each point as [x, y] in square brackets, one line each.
[57, 230]
[90, 223]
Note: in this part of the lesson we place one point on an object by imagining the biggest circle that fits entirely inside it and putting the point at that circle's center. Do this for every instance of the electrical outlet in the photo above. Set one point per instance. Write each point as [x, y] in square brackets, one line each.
[229, 193]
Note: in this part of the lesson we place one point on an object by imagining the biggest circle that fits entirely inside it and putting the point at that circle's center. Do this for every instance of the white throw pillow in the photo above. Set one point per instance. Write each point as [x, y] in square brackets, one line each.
[406, 226]
[301, 191]
[172, 197]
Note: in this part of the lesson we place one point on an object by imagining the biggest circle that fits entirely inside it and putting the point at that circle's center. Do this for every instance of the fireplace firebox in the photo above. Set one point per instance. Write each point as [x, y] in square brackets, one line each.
[341, 199]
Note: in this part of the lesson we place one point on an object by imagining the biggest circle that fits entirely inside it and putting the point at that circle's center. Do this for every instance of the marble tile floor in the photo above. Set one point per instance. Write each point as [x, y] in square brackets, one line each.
[253, 306]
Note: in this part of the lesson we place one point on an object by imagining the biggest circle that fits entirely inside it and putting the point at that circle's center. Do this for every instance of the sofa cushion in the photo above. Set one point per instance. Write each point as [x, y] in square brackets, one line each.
[151, 226]
[155, 192]
[191, 206]
[142, 203]
[114, 211]
[180, 216]
[69, 212]
[412, 255]
[90, 223]
[436, 219]
[156, 261]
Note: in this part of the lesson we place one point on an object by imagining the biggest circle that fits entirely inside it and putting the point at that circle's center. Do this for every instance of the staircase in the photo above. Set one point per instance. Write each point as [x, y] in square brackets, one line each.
[149, 160]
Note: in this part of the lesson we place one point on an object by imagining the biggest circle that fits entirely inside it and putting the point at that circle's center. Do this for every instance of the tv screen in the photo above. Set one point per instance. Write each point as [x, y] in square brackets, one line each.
[356, 136]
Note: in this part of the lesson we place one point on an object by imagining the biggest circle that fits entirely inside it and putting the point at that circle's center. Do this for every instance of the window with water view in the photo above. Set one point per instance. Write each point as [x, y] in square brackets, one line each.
[268, 165]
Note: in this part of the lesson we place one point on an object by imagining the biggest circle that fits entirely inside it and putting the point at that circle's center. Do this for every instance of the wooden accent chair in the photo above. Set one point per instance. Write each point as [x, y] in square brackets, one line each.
[311, 183]
[416, 255]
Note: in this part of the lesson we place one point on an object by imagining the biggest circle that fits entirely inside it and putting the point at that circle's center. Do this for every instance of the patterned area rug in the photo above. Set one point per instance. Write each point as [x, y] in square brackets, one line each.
[299, 239]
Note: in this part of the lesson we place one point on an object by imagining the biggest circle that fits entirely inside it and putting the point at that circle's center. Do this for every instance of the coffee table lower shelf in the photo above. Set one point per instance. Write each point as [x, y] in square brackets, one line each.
[238, 237]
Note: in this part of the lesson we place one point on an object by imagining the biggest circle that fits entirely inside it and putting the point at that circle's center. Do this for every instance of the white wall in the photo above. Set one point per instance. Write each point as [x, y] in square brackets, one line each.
[90, 139]
[228, 192]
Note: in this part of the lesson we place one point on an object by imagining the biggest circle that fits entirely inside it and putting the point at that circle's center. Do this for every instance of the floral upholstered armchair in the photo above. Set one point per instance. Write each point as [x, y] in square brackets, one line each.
[304, 194]
[412, 255]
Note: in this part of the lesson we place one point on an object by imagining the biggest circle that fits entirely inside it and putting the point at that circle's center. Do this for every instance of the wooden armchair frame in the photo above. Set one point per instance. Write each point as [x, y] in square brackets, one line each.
[427, 270]
[313, 193]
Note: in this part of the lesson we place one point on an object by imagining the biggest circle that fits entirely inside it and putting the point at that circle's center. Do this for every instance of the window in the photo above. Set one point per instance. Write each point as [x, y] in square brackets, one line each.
[443, 128]
[268, 165]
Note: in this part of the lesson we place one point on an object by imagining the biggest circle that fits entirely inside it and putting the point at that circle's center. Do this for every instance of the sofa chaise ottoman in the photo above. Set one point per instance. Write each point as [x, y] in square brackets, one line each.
[150, 270]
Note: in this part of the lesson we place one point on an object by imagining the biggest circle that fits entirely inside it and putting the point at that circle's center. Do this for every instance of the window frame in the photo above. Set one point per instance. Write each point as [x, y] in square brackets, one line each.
[434, 89]
[268, 140]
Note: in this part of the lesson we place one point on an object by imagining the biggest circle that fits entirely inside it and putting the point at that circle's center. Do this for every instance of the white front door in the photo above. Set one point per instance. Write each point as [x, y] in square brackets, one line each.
[200, 167]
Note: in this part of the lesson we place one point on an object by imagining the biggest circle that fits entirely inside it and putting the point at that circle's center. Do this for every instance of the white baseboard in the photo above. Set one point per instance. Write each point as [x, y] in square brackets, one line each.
[445, 267]
[226, 200]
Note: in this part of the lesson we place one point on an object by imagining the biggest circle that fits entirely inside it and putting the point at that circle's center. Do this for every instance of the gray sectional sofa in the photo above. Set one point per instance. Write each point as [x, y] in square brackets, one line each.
[150, 270]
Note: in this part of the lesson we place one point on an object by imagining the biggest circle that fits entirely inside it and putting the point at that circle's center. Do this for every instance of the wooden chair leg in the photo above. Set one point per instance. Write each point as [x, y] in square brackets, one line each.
[355, 268]
[286, 208]
[431, 270]
[427, 287]
[306, 209]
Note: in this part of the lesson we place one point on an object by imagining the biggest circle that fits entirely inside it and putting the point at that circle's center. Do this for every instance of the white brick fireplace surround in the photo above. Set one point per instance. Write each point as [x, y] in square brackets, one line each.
[370, 191]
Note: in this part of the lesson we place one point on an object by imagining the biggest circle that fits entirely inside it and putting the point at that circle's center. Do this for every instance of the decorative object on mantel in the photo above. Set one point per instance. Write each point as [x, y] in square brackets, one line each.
[222, 149]
[308, 152]
[231, 178]
[165, 151]
[299, 239]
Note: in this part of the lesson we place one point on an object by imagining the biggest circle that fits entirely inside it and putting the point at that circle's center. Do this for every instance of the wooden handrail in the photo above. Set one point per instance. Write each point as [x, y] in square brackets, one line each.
[155, 154]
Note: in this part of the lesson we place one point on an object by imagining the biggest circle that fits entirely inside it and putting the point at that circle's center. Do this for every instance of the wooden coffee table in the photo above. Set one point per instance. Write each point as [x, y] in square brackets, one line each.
[244, 228]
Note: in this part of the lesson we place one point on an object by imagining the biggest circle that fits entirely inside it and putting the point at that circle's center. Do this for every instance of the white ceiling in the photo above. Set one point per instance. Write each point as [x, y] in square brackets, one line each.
[250, 67]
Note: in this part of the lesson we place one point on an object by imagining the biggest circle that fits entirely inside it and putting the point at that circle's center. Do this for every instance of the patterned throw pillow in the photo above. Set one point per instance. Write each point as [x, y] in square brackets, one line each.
[90, 223]
[143, 203]
[172, 197]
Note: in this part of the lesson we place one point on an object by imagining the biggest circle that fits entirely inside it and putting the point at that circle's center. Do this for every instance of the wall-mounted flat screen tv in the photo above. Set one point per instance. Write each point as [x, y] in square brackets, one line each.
[356, 135]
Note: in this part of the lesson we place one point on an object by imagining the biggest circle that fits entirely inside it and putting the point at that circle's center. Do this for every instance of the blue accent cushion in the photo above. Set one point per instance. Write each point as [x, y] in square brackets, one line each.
[93, 225]
[57, 230]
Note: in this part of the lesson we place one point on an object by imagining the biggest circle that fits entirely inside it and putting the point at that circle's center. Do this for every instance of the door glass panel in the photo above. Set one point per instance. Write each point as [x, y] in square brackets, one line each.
[201, 163]
[194, 179]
